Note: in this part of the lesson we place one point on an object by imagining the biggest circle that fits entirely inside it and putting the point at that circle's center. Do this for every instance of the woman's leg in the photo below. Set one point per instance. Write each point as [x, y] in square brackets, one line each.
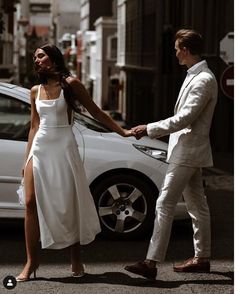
[76, 264]
[31, 223]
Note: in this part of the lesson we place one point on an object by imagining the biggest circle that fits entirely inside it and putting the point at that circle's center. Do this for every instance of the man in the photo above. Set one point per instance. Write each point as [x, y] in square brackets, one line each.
[189, 150]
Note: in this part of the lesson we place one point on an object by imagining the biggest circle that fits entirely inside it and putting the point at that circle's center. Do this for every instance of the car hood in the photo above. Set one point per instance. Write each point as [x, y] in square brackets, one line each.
[145, 141]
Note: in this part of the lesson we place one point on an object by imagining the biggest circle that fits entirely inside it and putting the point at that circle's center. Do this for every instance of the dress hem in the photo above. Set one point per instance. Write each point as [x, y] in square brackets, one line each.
[53, 246]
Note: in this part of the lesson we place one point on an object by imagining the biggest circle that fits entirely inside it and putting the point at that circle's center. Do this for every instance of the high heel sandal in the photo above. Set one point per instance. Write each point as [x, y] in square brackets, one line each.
[27, 277]
[79, 274]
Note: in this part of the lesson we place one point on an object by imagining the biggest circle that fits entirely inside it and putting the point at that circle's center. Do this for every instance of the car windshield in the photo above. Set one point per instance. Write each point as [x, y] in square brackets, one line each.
[91, 123]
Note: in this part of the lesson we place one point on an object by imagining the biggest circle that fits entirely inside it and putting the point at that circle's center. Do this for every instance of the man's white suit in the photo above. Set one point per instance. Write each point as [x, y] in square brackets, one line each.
[189, 150]
[189, 142]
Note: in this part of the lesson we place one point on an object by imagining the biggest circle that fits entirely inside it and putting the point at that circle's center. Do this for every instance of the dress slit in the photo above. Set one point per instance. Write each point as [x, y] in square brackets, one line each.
[31, 158]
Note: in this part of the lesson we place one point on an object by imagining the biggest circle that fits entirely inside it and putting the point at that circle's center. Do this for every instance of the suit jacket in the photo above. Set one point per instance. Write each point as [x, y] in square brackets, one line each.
[189, 142]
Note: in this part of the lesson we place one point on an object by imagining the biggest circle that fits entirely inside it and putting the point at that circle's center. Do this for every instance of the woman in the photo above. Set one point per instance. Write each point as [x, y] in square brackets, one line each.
[59, 207]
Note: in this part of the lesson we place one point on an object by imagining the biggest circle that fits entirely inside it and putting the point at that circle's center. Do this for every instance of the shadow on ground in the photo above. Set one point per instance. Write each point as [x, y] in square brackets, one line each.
[117, 278]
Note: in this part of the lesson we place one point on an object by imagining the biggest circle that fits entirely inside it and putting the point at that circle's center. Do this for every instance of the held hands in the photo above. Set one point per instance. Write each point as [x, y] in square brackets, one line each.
[139, 131]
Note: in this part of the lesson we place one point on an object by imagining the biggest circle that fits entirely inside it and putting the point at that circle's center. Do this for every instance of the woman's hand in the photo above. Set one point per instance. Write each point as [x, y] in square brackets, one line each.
[128, 133]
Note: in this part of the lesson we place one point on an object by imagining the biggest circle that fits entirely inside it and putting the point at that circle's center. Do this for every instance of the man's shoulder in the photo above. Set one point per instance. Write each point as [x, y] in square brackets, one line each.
[207, 74]
[204, 79]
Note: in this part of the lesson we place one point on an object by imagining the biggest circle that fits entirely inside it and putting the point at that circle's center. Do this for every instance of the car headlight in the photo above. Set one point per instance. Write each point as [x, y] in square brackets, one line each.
[158, 154]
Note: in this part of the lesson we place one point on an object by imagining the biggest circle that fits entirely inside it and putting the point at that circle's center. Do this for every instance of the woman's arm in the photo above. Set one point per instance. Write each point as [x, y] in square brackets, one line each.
[83, 97]
[34, 123]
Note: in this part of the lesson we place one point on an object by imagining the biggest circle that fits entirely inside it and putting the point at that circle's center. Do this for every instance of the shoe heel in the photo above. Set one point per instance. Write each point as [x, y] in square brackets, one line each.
[79, 275]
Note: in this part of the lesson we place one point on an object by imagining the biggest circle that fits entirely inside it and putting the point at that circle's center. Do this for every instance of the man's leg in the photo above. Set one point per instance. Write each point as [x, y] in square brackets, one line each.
[174, 183]
[198, 209]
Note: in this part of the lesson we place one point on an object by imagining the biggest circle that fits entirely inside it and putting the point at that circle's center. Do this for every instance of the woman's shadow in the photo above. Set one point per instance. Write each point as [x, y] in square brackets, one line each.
[118, 278]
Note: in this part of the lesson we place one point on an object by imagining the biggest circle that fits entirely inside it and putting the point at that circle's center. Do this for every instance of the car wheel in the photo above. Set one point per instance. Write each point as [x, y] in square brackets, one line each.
[125, 205]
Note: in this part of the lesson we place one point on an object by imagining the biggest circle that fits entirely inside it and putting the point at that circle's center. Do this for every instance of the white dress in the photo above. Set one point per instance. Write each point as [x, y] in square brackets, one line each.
[65, 206]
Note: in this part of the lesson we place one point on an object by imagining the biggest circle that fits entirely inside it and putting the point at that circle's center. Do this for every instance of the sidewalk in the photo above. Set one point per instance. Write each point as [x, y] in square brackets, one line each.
[224, 161]
[223, 164]
[221, 175]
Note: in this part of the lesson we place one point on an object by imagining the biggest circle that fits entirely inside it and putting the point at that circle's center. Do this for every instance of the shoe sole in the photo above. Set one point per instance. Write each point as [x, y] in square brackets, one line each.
[139, 274]
[78, 276]
[192, 271]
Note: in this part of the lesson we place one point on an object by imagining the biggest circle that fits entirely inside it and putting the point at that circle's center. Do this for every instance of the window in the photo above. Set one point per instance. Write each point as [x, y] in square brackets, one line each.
[91, 123]
[112, 47]
[14, 119]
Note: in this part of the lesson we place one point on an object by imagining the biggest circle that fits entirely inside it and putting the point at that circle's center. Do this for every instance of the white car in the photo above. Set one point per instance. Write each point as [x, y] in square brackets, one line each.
[124, 174]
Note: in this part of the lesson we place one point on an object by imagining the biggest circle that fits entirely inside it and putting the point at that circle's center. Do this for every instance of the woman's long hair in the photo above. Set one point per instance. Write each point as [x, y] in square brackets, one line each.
[61, 71]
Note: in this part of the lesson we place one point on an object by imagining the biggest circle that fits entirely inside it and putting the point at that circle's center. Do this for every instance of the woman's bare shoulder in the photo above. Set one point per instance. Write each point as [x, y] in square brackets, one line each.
[34, 90]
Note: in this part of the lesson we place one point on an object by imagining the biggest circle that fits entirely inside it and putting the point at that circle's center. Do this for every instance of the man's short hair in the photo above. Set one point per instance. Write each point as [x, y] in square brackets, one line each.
[190, 39]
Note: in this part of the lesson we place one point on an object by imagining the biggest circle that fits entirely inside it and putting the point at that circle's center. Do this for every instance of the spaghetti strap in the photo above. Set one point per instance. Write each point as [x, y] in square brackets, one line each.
[38, 92]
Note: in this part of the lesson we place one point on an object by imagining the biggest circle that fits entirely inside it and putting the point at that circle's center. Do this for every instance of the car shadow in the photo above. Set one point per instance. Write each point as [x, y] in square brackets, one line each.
[117, 278]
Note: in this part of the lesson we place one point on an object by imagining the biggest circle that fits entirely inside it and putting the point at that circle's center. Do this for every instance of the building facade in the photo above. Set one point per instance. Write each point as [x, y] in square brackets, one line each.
[8, 57]
[91, 10]
[106, 55]
[98, 33]
[65, 17]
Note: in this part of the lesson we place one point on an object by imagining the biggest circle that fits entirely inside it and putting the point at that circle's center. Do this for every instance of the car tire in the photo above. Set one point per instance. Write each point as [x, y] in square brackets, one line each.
[125, 205]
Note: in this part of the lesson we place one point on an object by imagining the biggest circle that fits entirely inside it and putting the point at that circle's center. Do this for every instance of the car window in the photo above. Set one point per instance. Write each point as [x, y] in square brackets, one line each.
[14, 119]
[91, 123]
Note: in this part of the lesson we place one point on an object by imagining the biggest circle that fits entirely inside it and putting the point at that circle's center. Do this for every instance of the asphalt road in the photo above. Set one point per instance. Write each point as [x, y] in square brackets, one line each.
[105, 259]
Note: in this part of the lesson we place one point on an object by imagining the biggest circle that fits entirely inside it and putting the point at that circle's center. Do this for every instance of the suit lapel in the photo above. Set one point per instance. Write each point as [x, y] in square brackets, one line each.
[182, 90]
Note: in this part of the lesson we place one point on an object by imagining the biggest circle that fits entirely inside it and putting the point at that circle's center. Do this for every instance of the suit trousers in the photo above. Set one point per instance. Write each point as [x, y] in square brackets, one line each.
[187, 181]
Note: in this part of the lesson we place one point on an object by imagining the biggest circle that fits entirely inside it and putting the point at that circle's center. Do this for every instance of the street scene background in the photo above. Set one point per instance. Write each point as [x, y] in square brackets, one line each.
[123, 52]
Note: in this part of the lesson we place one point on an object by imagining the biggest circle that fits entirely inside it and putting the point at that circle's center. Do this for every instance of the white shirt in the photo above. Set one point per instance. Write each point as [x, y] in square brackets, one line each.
[190, 72]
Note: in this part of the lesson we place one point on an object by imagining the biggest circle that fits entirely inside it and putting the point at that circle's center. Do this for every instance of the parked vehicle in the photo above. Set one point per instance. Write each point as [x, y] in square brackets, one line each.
[124, 174]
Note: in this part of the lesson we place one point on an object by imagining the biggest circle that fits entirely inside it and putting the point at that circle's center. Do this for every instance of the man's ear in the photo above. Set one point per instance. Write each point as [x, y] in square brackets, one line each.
[185, 50]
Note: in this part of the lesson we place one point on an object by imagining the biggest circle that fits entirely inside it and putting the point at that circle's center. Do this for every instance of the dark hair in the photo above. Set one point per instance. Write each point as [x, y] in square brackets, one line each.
[60, 70]
[190, 39]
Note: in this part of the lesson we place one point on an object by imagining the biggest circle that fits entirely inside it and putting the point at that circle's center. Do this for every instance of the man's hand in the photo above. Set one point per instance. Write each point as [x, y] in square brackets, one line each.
[140, 131]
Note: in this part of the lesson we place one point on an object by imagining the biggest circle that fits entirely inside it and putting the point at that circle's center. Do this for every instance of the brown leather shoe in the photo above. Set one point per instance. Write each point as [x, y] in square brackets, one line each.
[142, 269]
[193, 265]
